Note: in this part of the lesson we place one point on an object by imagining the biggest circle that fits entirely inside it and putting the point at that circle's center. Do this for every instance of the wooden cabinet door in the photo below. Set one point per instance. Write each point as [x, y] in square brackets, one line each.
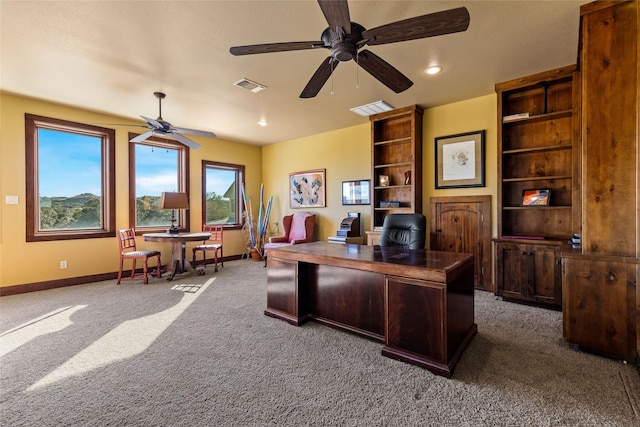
[544, 275]
[511, 271]
[599, 305]
[463, 224]
[529, 272]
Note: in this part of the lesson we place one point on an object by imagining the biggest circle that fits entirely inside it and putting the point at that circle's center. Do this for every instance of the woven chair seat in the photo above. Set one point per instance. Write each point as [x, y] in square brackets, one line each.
[209, 246]
[140, 254]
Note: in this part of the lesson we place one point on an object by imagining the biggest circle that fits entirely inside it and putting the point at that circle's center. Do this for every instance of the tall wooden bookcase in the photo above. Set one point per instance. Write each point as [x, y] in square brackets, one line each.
[601, 296]
[538, 147]
[396, 153]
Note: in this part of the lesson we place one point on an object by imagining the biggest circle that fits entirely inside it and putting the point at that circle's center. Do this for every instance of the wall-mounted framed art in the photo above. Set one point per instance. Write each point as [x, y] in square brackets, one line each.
[307, 189]
[356, 192]
[460, 160]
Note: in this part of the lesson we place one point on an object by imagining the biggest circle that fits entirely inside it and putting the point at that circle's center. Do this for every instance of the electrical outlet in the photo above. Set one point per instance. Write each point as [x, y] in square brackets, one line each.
[63, 265]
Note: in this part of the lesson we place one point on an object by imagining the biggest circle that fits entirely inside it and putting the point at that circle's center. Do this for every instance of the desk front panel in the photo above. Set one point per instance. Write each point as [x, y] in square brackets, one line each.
[416, 318]
[351, 299]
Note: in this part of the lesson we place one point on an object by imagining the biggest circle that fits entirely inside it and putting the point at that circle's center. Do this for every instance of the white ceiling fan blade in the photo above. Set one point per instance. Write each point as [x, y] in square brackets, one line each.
[183, 139]
[196, 132]
[142, 137]
[153, 122]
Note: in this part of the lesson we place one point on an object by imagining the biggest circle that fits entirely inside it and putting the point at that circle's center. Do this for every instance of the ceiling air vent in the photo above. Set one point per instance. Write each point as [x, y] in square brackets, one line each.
[250, 85]
[373, 108]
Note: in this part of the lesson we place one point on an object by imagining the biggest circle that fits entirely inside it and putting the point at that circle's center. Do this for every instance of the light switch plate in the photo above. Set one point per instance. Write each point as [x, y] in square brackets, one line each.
[11, 200]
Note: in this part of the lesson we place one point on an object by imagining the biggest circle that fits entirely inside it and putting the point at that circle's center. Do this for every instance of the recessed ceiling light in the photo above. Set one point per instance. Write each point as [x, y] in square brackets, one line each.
[262, 122]
[433, 69]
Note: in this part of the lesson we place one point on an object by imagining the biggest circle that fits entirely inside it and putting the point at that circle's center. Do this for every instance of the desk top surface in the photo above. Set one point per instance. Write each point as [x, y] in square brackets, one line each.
[389, 260]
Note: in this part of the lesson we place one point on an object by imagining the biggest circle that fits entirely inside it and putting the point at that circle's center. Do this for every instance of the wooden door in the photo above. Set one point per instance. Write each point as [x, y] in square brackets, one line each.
[463, 224]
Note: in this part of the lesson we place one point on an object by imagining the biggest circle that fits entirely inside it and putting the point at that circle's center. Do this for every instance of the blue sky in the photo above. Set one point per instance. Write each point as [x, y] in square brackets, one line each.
[75, 168]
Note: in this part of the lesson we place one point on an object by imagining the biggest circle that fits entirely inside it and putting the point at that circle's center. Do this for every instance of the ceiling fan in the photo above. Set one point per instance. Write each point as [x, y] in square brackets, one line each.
[160, 127]
[344, 39]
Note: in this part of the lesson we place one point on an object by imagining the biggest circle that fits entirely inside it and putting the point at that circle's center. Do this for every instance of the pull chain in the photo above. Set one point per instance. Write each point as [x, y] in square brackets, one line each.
[332, 68]
[357, 69]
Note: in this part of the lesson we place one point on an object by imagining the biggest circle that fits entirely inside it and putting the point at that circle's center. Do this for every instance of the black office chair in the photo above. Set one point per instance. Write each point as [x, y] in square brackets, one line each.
[405, 230]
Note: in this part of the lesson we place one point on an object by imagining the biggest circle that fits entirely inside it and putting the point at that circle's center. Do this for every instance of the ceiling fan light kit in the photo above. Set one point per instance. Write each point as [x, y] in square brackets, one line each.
[344, 39]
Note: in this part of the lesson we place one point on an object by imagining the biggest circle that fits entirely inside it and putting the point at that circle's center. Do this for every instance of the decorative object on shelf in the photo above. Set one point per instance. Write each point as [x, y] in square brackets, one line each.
[386, 204]
[307, 189]
[536, 197]
[460, 160]
[407, 178]
[257, 229]
[355, 192]
[384, 180]
[173, 201]
[512, 117]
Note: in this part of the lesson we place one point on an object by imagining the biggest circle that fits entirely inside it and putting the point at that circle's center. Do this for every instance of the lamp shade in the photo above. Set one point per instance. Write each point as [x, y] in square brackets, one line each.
[174, 201]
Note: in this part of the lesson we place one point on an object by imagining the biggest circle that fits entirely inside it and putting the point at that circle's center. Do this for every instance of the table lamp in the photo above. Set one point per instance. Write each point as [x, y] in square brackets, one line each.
[174, 201]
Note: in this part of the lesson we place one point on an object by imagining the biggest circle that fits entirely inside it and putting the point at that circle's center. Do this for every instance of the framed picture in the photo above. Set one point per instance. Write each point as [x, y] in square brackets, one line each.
[460, 160]
[307, 189]
[355, 192]
[384, 180]
[536, 197]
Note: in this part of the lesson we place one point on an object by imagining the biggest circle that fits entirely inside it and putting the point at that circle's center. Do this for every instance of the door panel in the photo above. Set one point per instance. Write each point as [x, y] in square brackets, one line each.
[463, 224]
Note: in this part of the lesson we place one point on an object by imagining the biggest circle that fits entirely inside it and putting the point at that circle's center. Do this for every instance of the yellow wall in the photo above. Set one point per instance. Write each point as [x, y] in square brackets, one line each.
[344, 153]
[461, 117]
[23, 262]
[346, 156]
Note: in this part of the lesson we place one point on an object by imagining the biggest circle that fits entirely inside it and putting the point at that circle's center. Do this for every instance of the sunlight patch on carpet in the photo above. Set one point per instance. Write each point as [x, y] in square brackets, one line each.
[126, 340]
[54, 321]
[186, 287]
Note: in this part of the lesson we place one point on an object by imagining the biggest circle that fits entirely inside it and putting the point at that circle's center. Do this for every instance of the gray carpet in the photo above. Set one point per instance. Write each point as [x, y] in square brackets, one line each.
[203, 354]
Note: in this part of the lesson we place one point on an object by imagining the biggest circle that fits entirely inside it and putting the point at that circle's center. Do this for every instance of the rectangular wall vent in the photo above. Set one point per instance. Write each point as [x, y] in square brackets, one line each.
[373, 108]
[250, 85]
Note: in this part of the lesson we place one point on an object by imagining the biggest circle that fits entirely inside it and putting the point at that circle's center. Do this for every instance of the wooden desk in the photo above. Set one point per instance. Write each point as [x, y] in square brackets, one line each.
[179, 243]
[419, 303]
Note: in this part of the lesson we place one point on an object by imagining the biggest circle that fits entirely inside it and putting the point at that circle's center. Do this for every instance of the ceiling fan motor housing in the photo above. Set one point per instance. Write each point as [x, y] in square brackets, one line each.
[344, 47]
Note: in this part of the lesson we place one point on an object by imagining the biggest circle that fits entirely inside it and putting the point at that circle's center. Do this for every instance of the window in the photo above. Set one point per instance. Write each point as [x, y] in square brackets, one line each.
[221, 199]
[70, 180]
[156, 165]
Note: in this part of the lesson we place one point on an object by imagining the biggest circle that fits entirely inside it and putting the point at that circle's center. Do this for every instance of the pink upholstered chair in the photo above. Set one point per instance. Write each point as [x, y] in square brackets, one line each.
[298, 228]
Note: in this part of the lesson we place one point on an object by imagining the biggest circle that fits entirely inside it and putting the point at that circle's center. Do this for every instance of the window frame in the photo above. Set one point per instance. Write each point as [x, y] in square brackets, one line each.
[183, 215]
[108, 211]
[240, 169]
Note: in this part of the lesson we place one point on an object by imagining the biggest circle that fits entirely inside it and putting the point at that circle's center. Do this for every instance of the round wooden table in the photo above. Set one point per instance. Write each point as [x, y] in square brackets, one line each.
[179, 244]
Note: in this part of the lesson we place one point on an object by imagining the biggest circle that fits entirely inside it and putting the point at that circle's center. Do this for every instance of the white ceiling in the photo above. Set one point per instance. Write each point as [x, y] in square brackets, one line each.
[110, 56]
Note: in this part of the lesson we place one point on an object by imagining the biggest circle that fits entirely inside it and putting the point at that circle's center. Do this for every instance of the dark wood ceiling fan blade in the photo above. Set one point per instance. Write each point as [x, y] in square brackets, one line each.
[274, 47]
[383, 71]
[433, 24]
[319, 78]
[336, 12]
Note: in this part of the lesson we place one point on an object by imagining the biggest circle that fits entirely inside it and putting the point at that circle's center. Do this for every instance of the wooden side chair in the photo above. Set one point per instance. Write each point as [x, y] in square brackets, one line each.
[213, 244]
[128, 250]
